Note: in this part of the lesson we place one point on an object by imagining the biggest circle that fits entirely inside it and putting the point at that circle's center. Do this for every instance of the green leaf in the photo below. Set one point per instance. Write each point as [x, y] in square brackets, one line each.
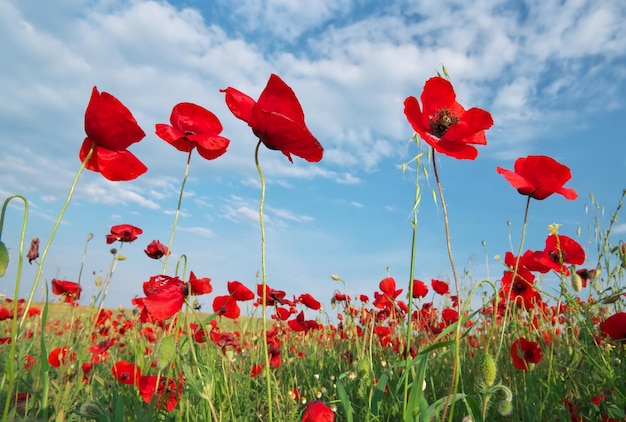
[4, 258]
[345, 401]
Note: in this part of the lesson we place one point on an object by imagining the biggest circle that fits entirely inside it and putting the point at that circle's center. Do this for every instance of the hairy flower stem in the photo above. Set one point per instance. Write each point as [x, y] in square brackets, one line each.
[20, 258]
[44, 253]
[507, 309]
[268, 375]
[409, 324]
[177, 214]
[454, 383]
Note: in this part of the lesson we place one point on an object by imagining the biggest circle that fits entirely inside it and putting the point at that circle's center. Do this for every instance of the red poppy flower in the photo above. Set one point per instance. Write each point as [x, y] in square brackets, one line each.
[444, 124]
[301, 324]
[309, 301]
[69, 289]
[125, 372]
[271, 296]
[239, 292]
[156, 250]
[112, 128]
[317, 411]
[199, 286]
[256, 370]
[615, 327]
[226, 306]
[561, 250]
[539, 176]
[168, 391]
[276, 119]
[524, 352]
[420, 289]
[440, 287]
[123, 233]
[164, 296]
[5, 313]
[521, 289]
[61, 356]
[194, 126]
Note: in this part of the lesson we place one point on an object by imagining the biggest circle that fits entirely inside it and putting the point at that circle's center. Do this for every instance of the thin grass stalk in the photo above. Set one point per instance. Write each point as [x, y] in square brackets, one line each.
[14, 331]
[268, 376]
[44, 253]
[409, 324]
[177, 214]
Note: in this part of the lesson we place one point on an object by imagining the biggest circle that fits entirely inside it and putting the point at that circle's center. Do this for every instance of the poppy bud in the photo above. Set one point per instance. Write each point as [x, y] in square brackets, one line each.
[488, 370]
[33, 250]
[4, 258]
[505, 408]
[335, 277]
[98, 281]
[577, 282]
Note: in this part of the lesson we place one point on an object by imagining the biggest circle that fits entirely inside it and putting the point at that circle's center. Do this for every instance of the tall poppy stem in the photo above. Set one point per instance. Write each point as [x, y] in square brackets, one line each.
[268, 375]
[177, 214]
[454, 384]
[409, 325]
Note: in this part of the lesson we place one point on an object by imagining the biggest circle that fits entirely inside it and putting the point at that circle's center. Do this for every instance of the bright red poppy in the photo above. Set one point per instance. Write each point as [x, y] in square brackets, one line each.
[125, 372]
[561, 250]
[615, 327]
[317, 411]
[239, 292]
[69, 289]
[276, 119]
[444, 124]
[420, 289]
[309, 301]
[539, 176]
[112, 128]
[168, 390]
[61, 356]
[440, 287]
[199, 286]
[194, 127]
[525, 352]
[301, 324]
[520, 290]
[123, 233]
[165, 296]
[226, 306]
[156, 250]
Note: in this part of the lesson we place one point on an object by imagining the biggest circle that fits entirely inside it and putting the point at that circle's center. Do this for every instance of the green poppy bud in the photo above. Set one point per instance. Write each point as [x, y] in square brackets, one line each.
[4, 258]
[488, 370]
[577, 282]
[505, 408]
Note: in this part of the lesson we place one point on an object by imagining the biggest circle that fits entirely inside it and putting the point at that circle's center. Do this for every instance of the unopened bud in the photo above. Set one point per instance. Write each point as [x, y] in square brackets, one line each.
[577, 282]
[488, 370]
[335, 277]
[505, 408]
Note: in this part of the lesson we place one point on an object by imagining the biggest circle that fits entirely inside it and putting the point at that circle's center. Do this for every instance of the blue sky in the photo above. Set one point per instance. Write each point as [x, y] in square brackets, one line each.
[552, 73]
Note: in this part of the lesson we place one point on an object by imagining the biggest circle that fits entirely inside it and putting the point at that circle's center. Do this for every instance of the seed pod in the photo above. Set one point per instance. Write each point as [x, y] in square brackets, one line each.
[505, 408]
[577, 282]
[4, 258]
[488, 370]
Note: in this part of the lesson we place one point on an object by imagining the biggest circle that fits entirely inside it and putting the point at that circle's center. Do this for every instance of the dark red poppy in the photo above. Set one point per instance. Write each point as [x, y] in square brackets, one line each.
[440, 287]
[164, 296]
[199, 286]
[123, 233]
[112, 128]
[239, 292]
[194, 126]
[276, 119]
[301, 324]
[615, 327]
[272, 296]
[125, 372]
[309, 301]
[69, 289]
[226, 306]
[156, 250]
[33, 250]
[444, 124]
[539, 176]
[317, 411]
[525, 352]
[420, 289]
[168, 390]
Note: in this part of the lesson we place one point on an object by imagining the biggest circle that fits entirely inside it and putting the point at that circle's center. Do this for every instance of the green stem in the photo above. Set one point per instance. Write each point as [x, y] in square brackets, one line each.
[454, 384]
[409, 325]
[14, 330]
[268, 377]
[44, 253]
[177, 214]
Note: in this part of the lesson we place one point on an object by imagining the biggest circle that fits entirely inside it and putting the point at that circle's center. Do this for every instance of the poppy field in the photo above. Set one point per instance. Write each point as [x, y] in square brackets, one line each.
[413, 350]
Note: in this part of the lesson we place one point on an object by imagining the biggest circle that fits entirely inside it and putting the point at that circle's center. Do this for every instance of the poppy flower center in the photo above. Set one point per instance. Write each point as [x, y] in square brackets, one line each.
[519, 287]
[557, 256]
[441, 121]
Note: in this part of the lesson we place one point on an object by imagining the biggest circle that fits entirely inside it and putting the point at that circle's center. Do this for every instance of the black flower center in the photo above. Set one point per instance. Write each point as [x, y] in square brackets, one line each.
[557, 256]
[441, 121]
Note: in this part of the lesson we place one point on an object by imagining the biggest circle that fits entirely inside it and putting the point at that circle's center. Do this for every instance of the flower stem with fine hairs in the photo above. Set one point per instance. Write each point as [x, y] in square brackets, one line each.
[457, 337]
[268, 375]
[177, 214]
